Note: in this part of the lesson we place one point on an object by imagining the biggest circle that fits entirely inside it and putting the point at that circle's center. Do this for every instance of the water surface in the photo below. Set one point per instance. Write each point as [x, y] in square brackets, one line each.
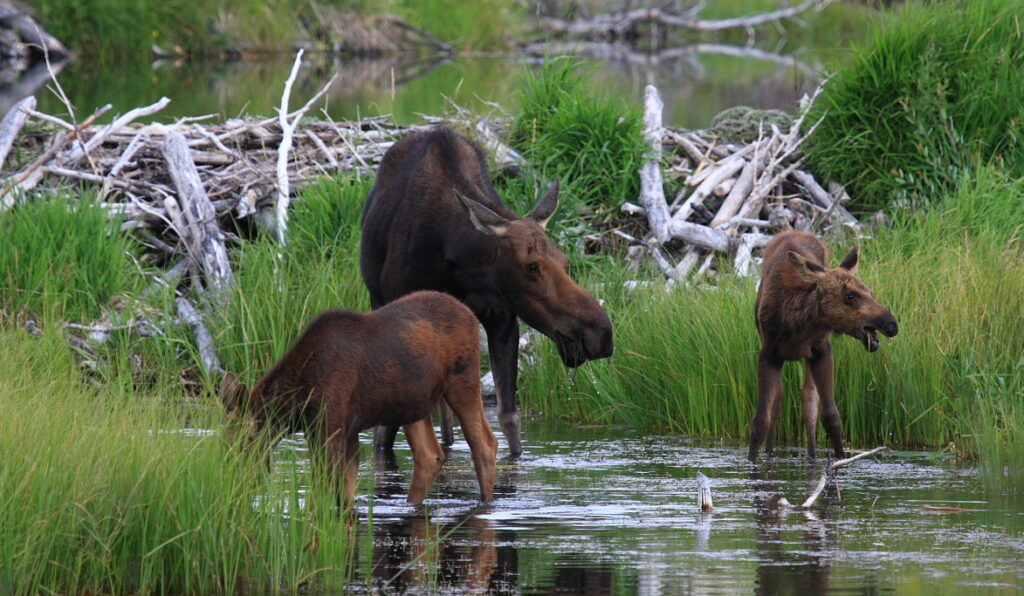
[611, 510]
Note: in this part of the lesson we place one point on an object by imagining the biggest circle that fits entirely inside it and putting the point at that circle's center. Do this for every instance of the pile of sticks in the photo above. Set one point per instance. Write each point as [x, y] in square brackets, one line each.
[733, 197]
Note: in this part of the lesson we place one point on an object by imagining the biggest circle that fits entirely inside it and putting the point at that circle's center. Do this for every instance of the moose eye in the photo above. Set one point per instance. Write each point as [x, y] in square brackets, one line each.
[850, 298]
[532, 268]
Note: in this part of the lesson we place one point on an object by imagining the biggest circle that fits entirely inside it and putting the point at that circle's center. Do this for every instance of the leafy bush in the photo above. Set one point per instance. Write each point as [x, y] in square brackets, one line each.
[938, 89]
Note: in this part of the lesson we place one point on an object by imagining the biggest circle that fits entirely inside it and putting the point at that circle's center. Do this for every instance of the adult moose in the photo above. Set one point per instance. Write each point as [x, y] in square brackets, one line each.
[799, 305]
[434, 221]
[350, 371]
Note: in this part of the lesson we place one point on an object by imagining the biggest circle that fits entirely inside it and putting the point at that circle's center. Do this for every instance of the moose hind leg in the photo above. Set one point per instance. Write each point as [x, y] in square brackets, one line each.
[447, 430]
[809, 401]
[463, 396]
[822, 369]
[427, 456]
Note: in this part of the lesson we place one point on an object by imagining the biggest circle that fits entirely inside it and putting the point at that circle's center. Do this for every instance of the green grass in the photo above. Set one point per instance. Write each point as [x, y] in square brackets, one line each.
[935, 91]
[274, 300]
[592, 142]
[685, 361]
[61, 258]
[109, 492]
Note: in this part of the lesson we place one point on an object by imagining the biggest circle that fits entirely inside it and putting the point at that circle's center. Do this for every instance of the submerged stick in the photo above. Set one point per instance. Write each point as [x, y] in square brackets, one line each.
[832, 467]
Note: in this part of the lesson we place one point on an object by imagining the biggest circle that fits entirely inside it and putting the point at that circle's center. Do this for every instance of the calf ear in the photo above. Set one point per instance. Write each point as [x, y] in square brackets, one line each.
[851, 259]
[483, 218]
[808, 271]
[231, 389]
[546, 206]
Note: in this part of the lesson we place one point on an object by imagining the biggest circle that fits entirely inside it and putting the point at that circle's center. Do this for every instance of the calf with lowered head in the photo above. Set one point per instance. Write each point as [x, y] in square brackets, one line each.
[350, 371]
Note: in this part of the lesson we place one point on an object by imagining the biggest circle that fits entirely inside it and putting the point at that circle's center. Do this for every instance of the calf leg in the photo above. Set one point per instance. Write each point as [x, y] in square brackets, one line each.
[343, 457]
[769, 389]
[463, 395]
[503, 348]
[384, 439]
[447, 432]
[427, 456]
[809, 404]
[822, 369]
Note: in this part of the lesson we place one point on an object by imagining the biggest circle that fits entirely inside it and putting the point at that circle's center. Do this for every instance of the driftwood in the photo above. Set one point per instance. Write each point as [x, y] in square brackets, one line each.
[625, 23]
[830, 469]
[732, 197]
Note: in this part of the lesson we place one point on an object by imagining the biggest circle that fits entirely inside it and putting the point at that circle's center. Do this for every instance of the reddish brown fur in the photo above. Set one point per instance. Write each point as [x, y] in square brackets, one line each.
[350, 371]
[433, 221]
[800, 304]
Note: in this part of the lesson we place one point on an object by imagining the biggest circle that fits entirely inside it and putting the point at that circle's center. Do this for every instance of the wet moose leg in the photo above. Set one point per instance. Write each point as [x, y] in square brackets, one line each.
[427, 455]
[822, 369]
[769, 388]
[503, 348]
[809, 404]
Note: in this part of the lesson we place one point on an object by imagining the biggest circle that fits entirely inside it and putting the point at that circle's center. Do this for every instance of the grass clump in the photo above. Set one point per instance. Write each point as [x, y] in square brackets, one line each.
[953, 275]
[274, 299]
[936, 91]
[62, 258]
[105, 492]
[591, 142]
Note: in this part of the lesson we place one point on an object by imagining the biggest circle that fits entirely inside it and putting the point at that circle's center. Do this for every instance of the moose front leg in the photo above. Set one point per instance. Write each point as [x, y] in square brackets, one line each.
[822, 370]
[769, 390]
[503, 348]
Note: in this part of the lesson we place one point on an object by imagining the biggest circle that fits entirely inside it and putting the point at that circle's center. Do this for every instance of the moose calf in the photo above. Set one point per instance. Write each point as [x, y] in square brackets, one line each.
[350, 371]
[799, 305]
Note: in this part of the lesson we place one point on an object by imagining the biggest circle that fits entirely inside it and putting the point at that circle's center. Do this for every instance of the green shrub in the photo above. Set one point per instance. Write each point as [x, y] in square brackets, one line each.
[591, 142]
[937, 90]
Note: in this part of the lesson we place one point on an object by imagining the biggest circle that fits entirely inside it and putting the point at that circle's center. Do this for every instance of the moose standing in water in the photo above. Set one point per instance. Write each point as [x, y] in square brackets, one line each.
[799, 305]
[350, 371]
[434, 221]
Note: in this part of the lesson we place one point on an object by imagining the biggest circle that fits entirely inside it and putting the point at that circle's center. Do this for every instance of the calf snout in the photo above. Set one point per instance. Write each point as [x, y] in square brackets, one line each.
[888, 326]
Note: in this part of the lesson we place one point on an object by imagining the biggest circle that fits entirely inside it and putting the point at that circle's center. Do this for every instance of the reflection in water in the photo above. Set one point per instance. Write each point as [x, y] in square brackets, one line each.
[782, 569]
[464, 555]
[696, 81]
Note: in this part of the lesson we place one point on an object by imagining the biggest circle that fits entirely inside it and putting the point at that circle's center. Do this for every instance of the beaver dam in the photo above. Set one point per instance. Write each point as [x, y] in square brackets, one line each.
[187, 188]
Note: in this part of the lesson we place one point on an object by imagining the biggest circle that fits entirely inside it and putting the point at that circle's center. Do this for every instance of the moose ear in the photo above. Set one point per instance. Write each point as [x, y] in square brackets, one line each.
[808, 271]
[851, 259]
[483, 218]
[231, 389]
[546, 206]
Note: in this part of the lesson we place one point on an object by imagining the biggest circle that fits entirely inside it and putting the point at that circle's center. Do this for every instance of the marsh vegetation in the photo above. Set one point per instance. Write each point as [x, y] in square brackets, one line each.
[115, 478]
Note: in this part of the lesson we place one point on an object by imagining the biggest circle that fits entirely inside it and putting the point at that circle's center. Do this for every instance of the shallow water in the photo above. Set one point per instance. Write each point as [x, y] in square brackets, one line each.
[611, 510]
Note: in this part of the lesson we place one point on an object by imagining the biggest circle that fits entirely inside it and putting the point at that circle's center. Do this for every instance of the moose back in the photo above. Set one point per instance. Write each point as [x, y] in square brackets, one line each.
[433, 221]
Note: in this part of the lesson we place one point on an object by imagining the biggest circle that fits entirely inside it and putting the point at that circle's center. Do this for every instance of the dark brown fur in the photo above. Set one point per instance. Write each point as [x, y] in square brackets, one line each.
[800, 304]
[433, 221]
[350, 371]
